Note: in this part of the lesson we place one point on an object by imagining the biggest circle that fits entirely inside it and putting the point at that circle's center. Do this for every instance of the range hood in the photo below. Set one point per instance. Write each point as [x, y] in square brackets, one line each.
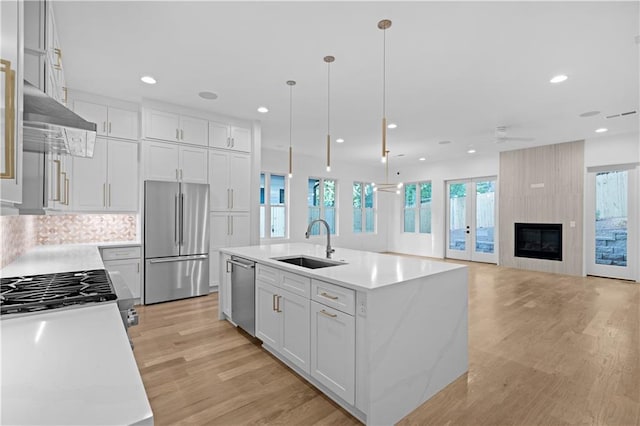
[49, 126]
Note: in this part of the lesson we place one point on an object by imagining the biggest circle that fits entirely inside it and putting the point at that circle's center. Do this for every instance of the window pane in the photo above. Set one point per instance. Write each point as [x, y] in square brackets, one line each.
[457, 216]
[611, 218]
[357, 220]
[330, 217]
[313, 192]
[277, 222]
[485, 216]
[261, 188]
[368, 195]
[425, 218]
[410, 195]
[425, 192]
[370, 220]
[410, 220]
[262, 219]
[357, 195]
[276, 195]
[329, 193]
[314, 213]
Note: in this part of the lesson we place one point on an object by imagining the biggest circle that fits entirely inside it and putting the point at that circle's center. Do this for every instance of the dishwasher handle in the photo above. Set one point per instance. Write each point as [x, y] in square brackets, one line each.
[240, 264]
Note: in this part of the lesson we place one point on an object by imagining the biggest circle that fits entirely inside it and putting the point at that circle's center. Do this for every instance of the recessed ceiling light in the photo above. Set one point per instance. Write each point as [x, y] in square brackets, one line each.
[601, 130]
[392, 125]
[471, 151]
[589, 113]
[444, 142]
[263, 110]
[339, 140]
[208, 95]
[148, 79]
[421, 159]
[558, 78]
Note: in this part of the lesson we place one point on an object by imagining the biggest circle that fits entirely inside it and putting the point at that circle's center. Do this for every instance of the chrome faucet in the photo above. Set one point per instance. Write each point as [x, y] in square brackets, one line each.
[306, 235]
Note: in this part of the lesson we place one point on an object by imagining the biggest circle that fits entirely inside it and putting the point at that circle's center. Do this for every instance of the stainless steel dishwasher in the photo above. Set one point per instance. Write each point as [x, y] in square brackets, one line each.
[243, 291]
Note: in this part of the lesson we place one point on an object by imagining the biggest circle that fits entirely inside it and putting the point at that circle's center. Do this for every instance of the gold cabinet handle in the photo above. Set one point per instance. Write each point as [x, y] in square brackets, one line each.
[104, 127]
[177, 134]
[66, 190]
[182, 134]
[233, 142]
[328, 296]
[327, 314]
[109, 127]
[231, 225]
[104, 194]
[66, 94]
[273, 302]
[63, 179]
[58, 53]
[231, 197]
[58, 179]
[10, 121]
[109, 195]
[278, 303]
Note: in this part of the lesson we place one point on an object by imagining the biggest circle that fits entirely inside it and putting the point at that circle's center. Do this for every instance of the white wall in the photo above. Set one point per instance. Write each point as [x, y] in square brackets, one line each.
[612, 150]
[345, 173]
[438, 173]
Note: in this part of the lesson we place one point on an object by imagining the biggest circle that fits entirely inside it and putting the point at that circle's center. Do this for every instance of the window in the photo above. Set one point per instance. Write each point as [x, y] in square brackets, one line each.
[363, 211]
[273, 208]
[417, 207]
[321, 199]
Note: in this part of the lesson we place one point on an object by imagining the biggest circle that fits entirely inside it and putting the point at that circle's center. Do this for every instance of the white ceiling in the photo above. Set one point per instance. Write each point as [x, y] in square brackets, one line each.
[455, 70]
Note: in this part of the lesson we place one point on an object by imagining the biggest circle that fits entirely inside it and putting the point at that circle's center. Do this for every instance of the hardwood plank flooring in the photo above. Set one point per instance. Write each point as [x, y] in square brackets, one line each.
[543, 349]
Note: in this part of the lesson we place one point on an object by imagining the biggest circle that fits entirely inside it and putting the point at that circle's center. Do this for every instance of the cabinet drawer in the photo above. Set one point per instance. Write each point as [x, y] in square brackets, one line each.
[115, 253]
[296, 284]
[340, 298]
[267, 274]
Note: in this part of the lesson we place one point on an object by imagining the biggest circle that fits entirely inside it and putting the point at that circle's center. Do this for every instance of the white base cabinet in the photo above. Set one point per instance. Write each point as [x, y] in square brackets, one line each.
[126, 261]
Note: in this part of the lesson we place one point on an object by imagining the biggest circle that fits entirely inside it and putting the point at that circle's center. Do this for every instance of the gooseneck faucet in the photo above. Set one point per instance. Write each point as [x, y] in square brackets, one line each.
[306, 235]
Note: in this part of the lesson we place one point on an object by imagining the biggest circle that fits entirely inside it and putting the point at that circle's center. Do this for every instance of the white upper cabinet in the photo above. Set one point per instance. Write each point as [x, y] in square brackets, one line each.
[171, 162]
[175, 127]
[229, 180]
[122, 173]
[229, 137]
[110, 121]
[90, 180]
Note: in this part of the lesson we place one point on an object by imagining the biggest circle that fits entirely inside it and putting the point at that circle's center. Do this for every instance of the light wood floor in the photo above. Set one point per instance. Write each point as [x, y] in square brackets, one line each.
[543, 349]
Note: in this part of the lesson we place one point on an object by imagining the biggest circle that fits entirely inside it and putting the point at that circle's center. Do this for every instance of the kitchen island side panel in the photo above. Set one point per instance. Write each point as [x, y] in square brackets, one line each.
[417, 334]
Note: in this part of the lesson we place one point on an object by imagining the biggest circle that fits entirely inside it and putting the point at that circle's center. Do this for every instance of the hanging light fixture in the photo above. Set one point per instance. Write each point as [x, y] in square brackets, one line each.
[290, 83]
[386, 186]
[328, 60]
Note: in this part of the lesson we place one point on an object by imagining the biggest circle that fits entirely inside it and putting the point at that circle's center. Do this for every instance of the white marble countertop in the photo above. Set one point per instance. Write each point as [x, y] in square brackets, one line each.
[363, 270]
[71, 366]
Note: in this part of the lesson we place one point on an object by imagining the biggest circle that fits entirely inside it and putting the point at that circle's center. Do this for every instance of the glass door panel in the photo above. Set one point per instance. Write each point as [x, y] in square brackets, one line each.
[458, 223]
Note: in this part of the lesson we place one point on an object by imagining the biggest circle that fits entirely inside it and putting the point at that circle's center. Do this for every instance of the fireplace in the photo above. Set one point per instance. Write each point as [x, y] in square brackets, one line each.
[539, 240]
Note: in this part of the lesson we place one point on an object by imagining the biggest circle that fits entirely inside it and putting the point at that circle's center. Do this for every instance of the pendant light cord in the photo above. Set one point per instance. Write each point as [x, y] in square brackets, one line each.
[384, 72]
[290, 113]
[328, 98]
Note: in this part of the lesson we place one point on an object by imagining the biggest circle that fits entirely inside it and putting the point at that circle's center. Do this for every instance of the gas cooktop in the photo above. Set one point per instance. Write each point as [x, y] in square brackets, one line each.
[51, 291]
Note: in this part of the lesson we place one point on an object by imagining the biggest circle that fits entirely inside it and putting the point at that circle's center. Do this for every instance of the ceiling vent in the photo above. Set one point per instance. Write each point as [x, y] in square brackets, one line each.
[622, 114]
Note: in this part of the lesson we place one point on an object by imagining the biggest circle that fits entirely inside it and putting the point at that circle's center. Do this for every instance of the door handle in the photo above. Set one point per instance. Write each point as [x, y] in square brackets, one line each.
[182, 134]
[104, 127]
[233, 142]
[104, 195]
[231, 220]
[242, 265]
[109, 127]
[175, 220]
[109, 192]
[179, 259]
[228, 198]
[177, 134]
[67, 192]
[273, 302]
[228, 142]
[231, 197]
[327, 314]
[181, 219]
[58, 178]
[278, 303]
[228, 226]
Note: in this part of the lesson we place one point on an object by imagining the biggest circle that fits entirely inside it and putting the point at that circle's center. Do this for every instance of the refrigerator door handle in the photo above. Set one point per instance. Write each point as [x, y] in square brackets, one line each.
[181, 219]
[176, 220]
[179, 259]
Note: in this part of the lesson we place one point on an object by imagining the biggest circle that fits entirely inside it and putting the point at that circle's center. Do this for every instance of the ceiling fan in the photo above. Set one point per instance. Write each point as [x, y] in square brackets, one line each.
[500, 135]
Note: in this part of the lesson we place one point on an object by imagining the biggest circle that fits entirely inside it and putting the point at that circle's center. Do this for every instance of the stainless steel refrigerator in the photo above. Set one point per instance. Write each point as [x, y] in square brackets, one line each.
[176, 240]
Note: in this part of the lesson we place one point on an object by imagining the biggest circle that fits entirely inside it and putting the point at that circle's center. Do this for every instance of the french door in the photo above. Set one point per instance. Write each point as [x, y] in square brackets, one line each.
[611, 221]
[471, 220]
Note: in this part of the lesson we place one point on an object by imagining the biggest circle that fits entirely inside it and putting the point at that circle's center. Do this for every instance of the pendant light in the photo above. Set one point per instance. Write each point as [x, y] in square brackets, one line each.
[384, 25]
[387, 186]
[328, 60]
[290, 83]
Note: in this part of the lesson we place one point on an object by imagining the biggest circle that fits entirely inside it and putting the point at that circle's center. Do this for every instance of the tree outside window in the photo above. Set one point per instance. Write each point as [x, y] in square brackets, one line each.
[321, 200]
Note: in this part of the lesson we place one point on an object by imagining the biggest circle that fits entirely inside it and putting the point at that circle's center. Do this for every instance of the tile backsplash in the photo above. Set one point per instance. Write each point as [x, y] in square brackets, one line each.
[20, 233]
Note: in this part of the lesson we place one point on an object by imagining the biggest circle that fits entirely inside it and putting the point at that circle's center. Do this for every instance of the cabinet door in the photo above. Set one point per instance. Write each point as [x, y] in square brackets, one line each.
[129, 269]
[218, 231]
[162, 125]
[239, 230]
[240, 181]
[218, 135]
[224, 291]
[241, 139]
[123, 123]
[333, 342]
[161, 161]
[66, 176]
[220, 194]
[193, 164]
[268, 325]
[122, 176]
[194, 130]
[94, 113]
[295, 329]
[90, 180]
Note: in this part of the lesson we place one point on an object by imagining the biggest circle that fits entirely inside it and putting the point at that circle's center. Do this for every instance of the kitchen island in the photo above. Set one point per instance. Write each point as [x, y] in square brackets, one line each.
[379, 334]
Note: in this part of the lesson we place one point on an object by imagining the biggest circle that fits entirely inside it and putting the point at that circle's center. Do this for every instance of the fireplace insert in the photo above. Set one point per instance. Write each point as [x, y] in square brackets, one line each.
[538, 240]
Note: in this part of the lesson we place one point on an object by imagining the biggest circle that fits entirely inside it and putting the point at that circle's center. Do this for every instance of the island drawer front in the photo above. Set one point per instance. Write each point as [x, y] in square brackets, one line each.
[115, 253]
[268, 274]
[296, 284]
[340, 298]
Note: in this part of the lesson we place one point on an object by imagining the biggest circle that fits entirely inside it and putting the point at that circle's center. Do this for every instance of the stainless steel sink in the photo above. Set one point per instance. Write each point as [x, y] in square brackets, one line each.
[308, 262]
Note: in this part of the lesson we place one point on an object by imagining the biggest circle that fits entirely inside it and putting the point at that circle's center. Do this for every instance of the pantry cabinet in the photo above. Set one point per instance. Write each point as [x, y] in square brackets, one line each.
[173, 162]
[226, 230]
[229, 137]
[175, 127]
[229, 180]
[106, 182]
[110, 121]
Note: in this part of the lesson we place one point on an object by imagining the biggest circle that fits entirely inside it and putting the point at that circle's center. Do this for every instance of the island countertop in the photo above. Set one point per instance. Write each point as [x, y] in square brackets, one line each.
[362, 270]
